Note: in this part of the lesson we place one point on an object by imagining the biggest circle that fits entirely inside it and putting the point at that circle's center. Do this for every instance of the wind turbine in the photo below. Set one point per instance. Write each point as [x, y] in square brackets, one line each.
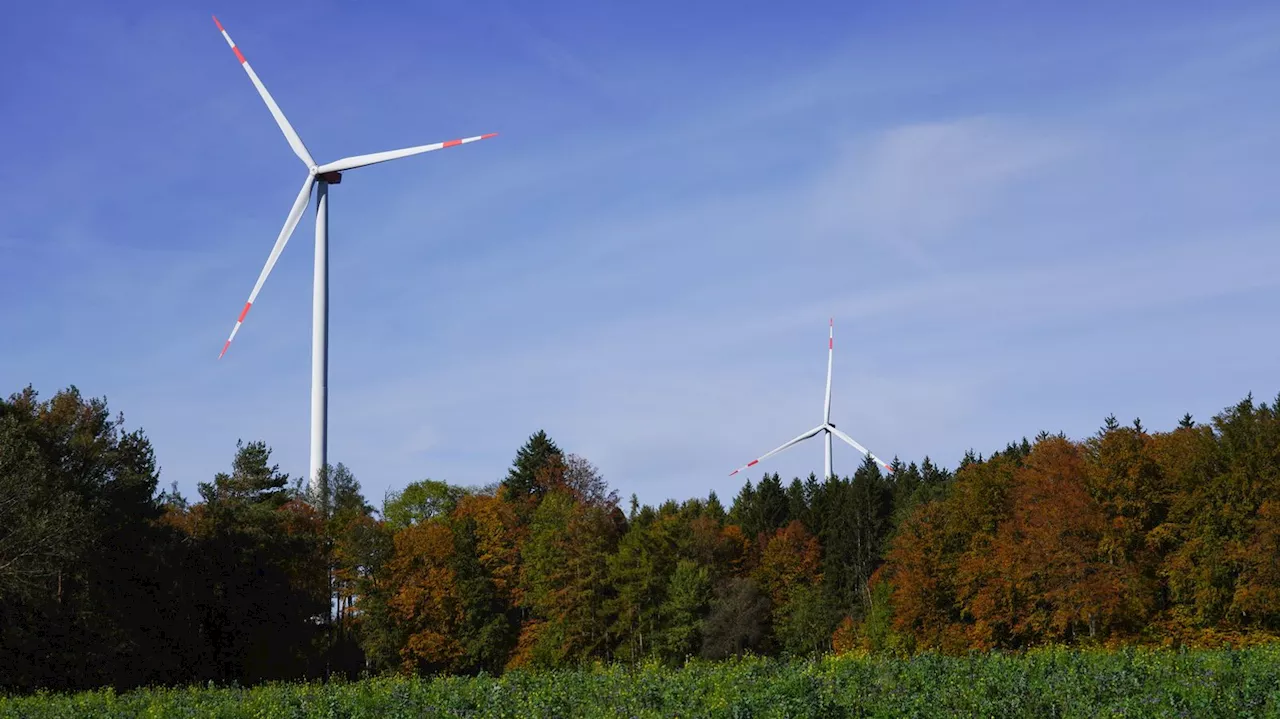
[319, 177]
[826, 427]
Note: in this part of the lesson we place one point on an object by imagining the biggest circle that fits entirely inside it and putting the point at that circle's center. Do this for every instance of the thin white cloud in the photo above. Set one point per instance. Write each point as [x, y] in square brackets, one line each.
[918, 184]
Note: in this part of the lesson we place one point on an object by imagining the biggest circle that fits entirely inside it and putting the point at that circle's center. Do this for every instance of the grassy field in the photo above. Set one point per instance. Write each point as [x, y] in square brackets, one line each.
[1044, 683]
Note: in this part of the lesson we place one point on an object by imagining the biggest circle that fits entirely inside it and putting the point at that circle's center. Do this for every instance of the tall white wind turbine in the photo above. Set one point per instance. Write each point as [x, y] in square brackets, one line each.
[826, 427]
[319, 177]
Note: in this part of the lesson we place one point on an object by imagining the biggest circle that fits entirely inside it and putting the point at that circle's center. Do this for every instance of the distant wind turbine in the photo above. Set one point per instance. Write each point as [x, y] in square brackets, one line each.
[826, 427]
[319, 177]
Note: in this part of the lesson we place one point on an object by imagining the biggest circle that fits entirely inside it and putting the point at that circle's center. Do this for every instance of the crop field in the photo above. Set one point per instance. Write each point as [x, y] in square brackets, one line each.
[1041, 683]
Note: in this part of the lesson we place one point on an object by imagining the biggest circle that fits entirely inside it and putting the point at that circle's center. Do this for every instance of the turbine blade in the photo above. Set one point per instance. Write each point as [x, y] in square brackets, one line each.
[861, 449]
[756, 461]
[831, 348]
[294, 141]
[351, 163]
[290, 223]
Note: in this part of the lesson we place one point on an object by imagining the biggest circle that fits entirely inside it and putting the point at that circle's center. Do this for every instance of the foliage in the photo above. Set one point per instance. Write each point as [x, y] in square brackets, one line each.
[523, 483]
[1127, 537]
[1044, 683]
[420, 502]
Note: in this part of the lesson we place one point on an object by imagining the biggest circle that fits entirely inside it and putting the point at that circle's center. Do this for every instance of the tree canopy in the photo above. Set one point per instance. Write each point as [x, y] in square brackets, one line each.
[1127, 536]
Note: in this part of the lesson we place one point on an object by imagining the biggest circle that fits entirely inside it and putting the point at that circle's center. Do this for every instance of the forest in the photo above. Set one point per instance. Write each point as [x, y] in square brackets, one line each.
[1129, 537]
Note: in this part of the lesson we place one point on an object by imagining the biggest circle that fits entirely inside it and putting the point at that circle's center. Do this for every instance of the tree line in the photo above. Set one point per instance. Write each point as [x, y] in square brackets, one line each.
[1127, 536]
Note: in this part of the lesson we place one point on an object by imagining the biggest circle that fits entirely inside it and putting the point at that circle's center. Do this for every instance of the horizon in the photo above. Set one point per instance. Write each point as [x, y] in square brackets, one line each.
[636, 255]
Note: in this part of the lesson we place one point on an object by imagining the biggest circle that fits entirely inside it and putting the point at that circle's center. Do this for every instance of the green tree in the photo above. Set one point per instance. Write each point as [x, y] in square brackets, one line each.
[715, 509]
[419, 502]
[487, 630]
[37, 526]
[855, 528]
[523, 482]
[564, 582]
[798, 502]
[345, 517]
[805, 623]
[639, 572]
[688, 597]
[263, 565]
[738, 620]
[85, 597]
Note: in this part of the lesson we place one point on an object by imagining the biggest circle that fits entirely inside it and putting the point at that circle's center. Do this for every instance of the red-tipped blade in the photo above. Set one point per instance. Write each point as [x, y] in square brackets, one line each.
[295, 214]
[289, 133]
[351, 163]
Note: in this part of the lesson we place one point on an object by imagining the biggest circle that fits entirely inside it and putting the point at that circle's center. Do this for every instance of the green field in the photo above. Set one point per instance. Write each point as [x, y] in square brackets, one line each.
[1042, 683]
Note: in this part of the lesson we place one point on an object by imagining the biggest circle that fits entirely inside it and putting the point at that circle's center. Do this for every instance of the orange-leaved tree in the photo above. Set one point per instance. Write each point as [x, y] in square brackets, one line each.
[425, 600]
[1045, 575]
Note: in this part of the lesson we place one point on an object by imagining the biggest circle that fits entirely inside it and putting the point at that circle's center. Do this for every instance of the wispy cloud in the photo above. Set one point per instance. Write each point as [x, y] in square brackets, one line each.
[919, 184]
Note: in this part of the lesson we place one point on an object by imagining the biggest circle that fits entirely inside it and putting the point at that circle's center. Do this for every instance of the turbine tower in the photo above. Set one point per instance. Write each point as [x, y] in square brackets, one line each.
[826, 427]
[319, 177]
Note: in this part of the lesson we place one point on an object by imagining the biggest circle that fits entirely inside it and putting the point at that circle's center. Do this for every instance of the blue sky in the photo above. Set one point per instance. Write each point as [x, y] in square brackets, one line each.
[1021, 218]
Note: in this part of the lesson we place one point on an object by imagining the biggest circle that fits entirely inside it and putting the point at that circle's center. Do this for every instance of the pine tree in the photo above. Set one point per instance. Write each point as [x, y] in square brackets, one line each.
[744, 506]
[715, 509]
[522, 480]
[797, 503]
[932, 474]
[772, 510]
[253, 479]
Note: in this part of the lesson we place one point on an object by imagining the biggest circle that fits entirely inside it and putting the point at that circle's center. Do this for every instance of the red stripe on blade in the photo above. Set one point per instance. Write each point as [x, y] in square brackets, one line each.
[753, 462]
[215, 22]
[239, 54]
[244, 311]
[451, 143]
[224, 349]
[486, 137]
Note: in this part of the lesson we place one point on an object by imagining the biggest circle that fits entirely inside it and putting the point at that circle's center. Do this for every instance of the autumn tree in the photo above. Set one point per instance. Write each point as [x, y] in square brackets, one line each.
[426, 601]
[1047, 575]
[1224, 475]
[588, 486]
[920, 569]
[790, 572]
[1125, 478]
[1257, 592]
